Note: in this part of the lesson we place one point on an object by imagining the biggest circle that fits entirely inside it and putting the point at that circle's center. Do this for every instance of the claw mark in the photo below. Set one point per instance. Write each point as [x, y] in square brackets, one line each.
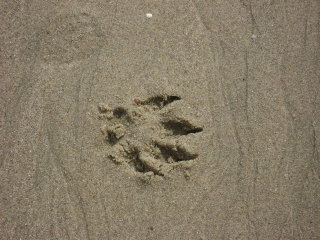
[119, 112]
[181, 127]
[143, 141]
[160, 100]
[115, 133]
[122, 113]
[177, 153]
[136, 162]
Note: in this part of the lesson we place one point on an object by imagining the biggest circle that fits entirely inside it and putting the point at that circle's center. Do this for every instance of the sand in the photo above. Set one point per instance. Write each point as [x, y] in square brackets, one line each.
[160, 120]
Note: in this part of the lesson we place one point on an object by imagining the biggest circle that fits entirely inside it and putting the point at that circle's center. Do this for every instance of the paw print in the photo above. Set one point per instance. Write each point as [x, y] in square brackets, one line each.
[149, 138]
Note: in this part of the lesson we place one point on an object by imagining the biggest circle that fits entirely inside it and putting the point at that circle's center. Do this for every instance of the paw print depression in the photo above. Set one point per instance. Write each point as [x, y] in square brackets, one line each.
[150, 138]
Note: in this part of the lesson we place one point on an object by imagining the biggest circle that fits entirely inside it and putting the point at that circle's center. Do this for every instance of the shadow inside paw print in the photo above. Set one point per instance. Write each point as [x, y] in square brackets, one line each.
[148, 137]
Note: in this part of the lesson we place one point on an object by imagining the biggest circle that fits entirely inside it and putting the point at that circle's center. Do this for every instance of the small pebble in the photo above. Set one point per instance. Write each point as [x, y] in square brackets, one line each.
[137, 101]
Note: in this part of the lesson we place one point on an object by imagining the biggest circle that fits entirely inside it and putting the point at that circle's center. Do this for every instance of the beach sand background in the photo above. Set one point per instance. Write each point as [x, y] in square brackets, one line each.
[246, 72]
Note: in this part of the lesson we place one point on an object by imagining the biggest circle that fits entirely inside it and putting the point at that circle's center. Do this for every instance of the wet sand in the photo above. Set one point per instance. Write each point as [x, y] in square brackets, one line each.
[200, 121]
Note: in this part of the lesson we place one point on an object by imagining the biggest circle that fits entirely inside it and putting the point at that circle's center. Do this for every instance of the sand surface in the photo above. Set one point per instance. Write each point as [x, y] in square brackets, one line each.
[160, 120]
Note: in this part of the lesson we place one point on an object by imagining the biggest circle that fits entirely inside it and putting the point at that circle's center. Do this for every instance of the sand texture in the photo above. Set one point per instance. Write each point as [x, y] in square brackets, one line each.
[160, 120]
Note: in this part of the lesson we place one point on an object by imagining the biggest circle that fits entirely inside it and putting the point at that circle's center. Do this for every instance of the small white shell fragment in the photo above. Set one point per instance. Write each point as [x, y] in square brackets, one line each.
[149, 15]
